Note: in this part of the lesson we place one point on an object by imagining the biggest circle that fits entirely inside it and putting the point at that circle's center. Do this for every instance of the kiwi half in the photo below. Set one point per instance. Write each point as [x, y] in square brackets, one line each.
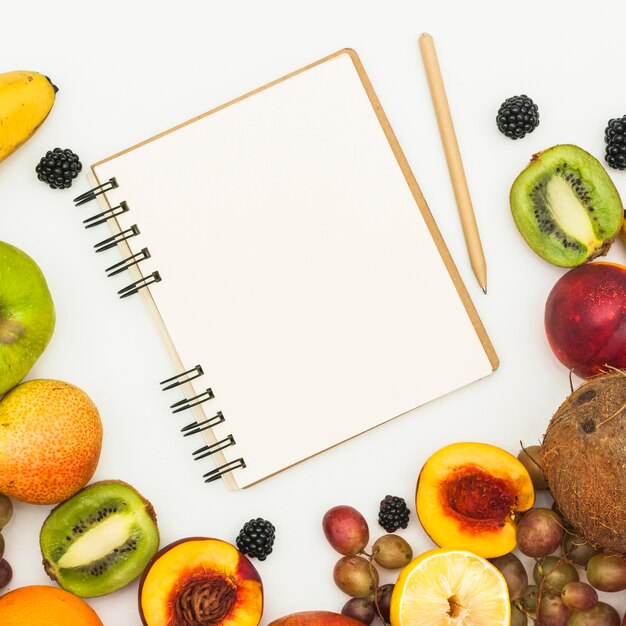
[100, 539]
[566, 207]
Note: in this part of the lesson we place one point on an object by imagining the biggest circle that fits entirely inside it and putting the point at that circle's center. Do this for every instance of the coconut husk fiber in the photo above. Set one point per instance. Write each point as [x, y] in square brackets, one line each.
[584, 460]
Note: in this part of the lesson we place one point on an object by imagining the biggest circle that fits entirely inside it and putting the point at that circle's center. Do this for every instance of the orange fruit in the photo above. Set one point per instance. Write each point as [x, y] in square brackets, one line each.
[450, 588]
[40, 604]
[50, 441]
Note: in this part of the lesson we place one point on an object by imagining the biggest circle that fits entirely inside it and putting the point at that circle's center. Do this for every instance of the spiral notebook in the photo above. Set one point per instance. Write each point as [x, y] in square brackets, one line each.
[292, 268]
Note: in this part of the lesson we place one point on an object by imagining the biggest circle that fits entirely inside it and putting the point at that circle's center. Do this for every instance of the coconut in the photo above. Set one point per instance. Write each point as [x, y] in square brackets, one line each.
[584, 460]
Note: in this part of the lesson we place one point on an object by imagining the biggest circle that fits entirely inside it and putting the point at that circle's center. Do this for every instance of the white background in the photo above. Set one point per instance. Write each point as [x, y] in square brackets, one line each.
[128, 70]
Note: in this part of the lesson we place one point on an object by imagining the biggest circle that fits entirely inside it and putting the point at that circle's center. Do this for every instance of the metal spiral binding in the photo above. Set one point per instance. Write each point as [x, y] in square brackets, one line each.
[124, 264]
[218, 472]
[177, 380]
[133, 288]
[208, 450]
[187, 403]
[114, 240]
[111, 242]
[101, 218]
[92, 194]
[195, 428]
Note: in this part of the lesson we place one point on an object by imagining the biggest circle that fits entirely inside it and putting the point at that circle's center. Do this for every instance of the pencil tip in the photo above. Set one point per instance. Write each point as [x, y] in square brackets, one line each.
[424, 35]
[485, 289]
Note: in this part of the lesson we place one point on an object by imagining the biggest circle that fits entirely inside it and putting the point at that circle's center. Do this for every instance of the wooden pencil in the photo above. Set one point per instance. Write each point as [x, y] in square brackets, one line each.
[453, 158]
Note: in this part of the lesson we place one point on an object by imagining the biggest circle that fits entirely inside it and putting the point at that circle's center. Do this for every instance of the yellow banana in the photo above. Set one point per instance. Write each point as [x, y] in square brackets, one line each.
[25, 101]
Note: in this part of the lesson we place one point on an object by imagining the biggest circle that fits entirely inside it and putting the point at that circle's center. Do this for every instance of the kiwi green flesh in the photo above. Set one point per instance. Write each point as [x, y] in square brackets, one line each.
[566, 206]
[99, 540]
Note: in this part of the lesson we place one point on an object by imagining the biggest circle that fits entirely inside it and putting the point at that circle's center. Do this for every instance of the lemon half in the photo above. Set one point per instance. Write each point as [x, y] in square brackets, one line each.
[450, 588]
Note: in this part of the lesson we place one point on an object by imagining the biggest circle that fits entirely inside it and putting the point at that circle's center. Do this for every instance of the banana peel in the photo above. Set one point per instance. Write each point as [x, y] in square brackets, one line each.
[26, 98]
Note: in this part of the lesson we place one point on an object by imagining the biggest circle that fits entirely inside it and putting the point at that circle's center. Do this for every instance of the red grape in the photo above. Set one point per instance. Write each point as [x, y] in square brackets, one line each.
[6, 573]
[539, 532]
[361, 609]
[514, 573]
[346, 530]
[579, 596]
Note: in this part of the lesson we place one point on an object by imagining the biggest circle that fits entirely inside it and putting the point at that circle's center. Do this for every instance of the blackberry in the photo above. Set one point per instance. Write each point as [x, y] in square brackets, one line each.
[517, 116]
[393, 513]
[256, 538]
[615, 138]
[58, 168]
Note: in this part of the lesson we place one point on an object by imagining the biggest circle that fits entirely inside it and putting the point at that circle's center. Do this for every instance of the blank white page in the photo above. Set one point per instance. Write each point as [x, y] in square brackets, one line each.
[297, 267]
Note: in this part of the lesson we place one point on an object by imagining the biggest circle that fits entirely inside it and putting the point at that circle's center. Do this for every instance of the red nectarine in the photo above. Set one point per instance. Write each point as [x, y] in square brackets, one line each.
[585, 318]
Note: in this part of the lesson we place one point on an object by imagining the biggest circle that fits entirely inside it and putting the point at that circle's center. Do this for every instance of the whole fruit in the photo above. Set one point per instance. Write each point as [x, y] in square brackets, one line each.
[50, 441]
[391, 552]
[585, 318]
[383, 601]
[346, 529]
[584, 461]
[530, 458]
[601, 614]
[514, 573]
[40, 604]
[554, 573]
[579, 596]
[607, 572]
[361, 609]
[576, 549]
[518, 617]
[355, 576]
[528, 598]
[6, 510]
[552, 611]
[27, 315]
[315, 618]
[539, 532]
[25, 101]
[6, 573]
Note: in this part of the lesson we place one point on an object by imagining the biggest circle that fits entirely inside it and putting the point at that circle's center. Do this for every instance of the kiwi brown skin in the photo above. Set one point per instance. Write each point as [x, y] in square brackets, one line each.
[566, 206]
[147, 509]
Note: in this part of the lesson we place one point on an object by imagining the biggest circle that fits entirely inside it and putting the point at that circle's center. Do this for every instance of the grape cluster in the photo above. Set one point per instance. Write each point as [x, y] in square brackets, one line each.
[356, 572]
[558, 596]
[6, 511]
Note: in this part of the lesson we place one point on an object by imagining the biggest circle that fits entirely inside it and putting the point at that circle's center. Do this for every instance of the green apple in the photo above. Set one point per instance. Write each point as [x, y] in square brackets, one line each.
[26, 315]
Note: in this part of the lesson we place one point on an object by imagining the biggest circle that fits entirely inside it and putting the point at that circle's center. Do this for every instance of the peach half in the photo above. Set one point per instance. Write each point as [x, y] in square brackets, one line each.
[469, 496]
[200, 581]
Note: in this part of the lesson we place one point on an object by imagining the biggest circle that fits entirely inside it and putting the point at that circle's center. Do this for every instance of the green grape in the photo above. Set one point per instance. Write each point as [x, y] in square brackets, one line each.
[6, 510]
[554, 573]
[601, 614]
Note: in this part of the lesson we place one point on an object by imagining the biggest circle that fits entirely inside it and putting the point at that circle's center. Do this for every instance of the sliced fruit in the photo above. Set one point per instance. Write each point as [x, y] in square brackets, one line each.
[99, 540]
[200, 580]
[566, 207]
[468, 497]
[450, 587]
